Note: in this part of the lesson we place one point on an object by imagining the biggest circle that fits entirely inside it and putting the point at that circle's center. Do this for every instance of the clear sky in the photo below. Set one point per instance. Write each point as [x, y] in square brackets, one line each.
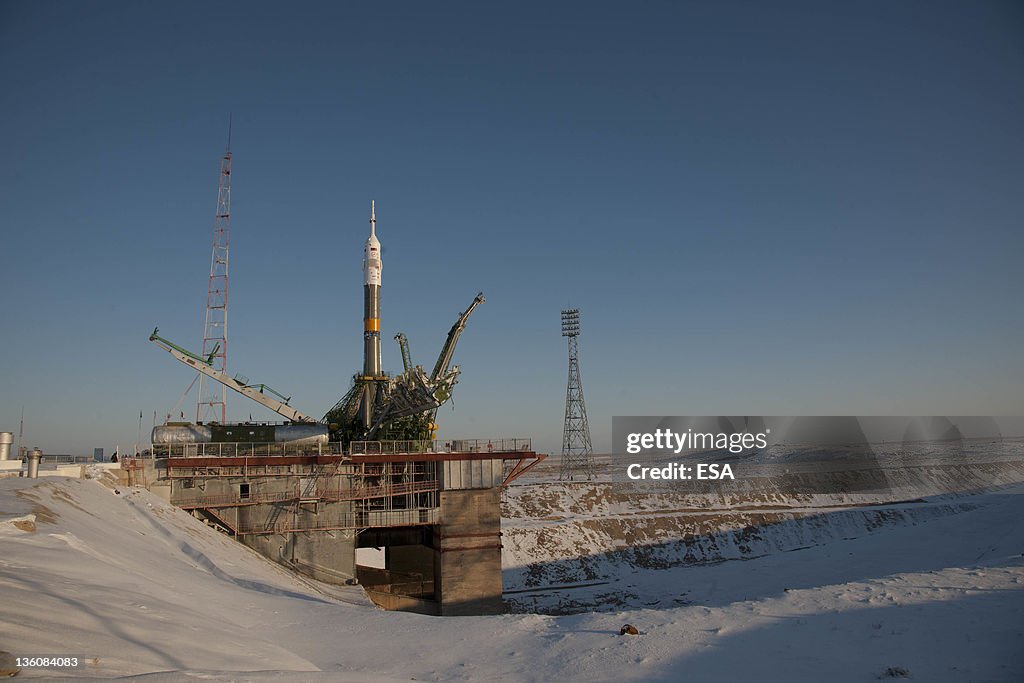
[760, 208]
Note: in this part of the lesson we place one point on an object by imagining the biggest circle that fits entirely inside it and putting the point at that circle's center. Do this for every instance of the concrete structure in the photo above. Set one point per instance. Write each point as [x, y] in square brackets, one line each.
[434, 509]
[6, 439]
[34, 456]
[49, 468]
[467, 557]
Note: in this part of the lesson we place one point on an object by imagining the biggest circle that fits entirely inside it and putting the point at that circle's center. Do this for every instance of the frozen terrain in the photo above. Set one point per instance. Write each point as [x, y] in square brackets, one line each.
[140, 588]
[604, 532]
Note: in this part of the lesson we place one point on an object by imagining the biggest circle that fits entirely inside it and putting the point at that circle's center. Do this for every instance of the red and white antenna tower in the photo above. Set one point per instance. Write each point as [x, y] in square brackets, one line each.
[212, 404]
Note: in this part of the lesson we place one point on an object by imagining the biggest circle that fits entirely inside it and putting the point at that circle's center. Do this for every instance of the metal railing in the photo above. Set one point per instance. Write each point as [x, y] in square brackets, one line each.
[68, 459]
[440, 446]
[252, 450]
[325, 496]
[245, 450]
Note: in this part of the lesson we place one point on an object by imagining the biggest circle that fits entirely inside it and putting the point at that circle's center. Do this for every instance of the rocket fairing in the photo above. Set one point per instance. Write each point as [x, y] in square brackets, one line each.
[371, 252]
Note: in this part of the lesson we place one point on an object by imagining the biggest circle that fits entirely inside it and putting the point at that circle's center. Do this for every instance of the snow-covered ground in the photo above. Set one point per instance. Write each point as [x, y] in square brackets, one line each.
[138, 587]
[603, 532]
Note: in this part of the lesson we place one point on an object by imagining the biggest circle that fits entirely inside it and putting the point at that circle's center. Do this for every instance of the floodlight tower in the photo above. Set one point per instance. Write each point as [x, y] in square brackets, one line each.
[577, 453]
[212, 405]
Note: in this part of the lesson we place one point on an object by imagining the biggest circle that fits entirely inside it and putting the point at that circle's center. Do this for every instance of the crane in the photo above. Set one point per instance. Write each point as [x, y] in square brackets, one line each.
[256, 392]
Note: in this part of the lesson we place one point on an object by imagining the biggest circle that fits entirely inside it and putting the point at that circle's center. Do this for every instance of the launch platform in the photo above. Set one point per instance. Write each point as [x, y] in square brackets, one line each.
[433, 506]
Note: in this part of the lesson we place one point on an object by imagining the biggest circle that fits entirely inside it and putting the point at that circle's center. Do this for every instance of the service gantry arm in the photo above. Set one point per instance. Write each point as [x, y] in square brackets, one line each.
[448, 350]
[403, 344]
[204, 366]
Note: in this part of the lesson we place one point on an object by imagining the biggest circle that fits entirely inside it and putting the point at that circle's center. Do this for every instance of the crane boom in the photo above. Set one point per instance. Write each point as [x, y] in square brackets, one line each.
[203, 365]
[448, 350]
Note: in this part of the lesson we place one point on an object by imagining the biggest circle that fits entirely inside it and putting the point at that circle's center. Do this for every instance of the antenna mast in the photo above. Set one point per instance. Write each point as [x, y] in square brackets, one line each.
[21, 431]
[212, 402]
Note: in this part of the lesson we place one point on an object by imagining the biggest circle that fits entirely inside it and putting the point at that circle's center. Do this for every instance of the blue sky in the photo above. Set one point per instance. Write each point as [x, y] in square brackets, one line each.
[760, 208]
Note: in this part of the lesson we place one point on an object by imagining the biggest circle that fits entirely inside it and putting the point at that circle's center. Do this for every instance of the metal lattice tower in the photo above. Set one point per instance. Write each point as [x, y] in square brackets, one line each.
[212, 403]
[577, 453]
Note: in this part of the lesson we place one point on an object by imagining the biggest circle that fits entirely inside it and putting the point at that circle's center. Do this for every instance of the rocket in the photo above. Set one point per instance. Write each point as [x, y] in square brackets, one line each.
[371, 299]
[371, 316]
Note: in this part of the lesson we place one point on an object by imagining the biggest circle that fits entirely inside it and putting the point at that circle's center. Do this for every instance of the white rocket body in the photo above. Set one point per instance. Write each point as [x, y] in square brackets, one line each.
[371, 253]
[371, 317]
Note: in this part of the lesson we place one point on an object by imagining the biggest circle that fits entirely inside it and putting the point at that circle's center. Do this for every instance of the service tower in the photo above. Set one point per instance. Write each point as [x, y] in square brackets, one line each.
[371, 319]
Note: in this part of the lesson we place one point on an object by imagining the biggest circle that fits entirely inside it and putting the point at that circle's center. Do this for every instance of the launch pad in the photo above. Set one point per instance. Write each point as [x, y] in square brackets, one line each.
[434, 507]
[308, 493]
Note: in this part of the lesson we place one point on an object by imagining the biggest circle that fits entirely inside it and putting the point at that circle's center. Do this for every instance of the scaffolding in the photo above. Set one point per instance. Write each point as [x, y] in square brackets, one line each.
[248, 494]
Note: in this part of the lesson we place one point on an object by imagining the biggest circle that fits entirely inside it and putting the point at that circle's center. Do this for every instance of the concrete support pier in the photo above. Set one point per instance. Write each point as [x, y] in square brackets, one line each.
[467, 553]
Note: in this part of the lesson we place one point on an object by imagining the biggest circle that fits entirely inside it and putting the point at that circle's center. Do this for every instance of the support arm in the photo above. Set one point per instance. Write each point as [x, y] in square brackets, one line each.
[448, 350]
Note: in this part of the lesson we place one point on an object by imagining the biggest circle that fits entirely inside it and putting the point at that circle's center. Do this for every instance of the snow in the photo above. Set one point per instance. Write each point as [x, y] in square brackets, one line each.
[586, 532]
[140, 588]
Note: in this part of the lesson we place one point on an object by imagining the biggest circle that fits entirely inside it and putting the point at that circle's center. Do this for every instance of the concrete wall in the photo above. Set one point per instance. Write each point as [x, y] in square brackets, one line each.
[471, 474]
[467, 553]
[10, 468]
[327, 555]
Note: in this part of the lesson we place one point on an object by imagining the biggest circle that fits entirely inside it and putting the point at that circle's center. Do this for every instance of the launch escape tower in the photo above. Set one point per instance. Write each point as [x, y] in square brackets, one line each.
[577, 453]
[211, 405]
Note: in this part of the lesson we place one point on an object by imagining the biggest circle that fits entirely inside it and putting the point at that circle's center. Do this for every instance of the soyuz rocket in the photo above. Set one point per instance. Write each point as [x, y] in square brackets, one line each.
[371, 318]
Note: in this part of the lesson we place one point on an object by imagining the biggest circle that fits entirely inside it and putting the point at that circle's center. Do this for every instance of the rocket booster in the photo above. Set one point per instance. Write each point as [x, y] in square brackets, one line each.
[371, 300]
